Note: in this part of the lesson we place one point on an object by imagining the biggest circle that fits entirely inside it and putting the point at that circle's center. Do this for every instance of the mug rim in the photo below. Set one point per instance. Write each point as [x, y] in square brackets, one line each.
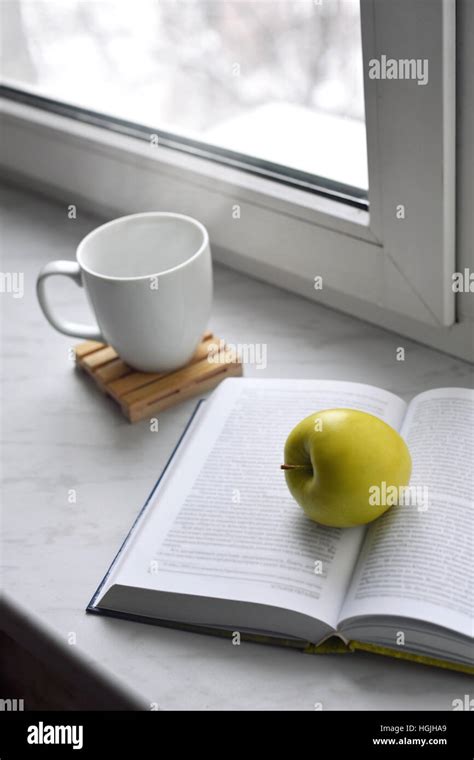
[141, 214]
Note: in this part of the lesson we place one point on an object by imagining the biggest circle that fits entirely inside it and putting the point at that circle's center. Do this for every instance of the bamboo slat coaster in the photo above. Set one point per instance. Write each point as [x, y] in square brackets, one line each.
[141, 394]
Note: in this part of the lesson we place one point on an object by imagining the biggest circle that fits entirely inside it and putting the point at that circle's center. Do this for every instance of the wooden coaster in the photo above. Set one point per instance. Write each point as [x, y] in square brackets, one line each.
[142, 394]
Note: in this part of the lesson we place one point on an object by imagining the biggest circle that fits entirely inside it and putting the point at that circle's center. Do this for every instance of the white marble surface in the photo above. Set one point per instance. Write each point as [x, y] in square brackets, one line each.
[60, 433]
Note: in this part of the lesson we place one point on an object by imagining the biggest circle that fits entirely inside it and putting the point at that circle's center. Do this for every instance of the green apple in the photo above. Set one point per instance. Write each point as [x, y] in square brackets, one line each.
[336, 459]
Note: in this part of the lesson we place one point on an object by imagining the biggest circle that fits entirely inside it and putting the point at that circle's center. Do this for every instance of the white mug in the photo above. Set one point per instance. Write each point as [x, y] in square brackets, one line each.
[148, 278]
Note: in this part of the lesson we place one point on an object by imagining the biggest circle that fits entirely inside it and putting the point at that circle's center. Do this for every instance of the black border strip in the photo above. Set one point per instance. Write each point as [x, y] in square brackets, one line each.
[337, 191]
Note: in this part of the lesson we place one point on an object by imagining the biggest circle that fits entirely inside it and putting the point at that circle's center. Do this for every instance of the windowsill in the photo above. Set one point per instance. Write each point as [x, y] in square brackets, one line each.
[62, 433]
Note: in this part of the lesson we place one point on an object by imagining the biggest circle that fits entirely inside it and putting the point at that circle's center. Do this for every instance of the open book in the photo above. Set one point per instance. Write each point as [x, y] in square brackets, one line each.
[220, 543]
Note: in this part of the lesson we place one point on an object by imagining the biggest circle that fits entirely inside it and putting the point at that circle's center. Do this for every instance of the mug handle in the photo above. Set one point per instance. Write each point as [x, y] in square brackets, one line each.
[69, 269]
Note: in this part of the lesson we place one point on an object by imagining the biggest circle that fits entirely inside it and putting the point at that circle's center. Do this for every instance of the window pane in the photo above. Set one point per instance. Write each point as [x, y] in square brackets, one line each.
[279, 80]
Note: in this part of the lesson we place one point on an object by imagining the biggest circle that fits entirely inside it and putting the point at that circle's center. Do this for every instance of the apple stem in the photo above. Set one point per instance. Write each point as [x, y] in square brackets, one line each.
[295, 467]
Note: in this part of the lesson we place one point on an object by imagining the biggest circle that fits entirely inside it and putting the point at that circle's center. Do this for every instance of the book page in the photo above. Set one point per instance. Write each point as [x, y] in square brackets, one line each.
[417, 559]
[224, 524]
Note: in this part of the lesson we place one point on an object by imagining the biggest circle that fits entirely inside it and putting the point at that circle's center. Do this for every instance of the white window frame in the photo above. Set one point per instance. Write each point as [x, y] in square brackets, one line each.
[394, 272]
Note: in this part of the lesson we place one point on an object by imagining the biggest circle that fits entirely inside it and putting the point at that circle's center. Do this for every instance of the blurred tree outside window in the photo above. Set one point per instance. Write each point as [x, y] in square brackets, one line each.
[279, 80]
